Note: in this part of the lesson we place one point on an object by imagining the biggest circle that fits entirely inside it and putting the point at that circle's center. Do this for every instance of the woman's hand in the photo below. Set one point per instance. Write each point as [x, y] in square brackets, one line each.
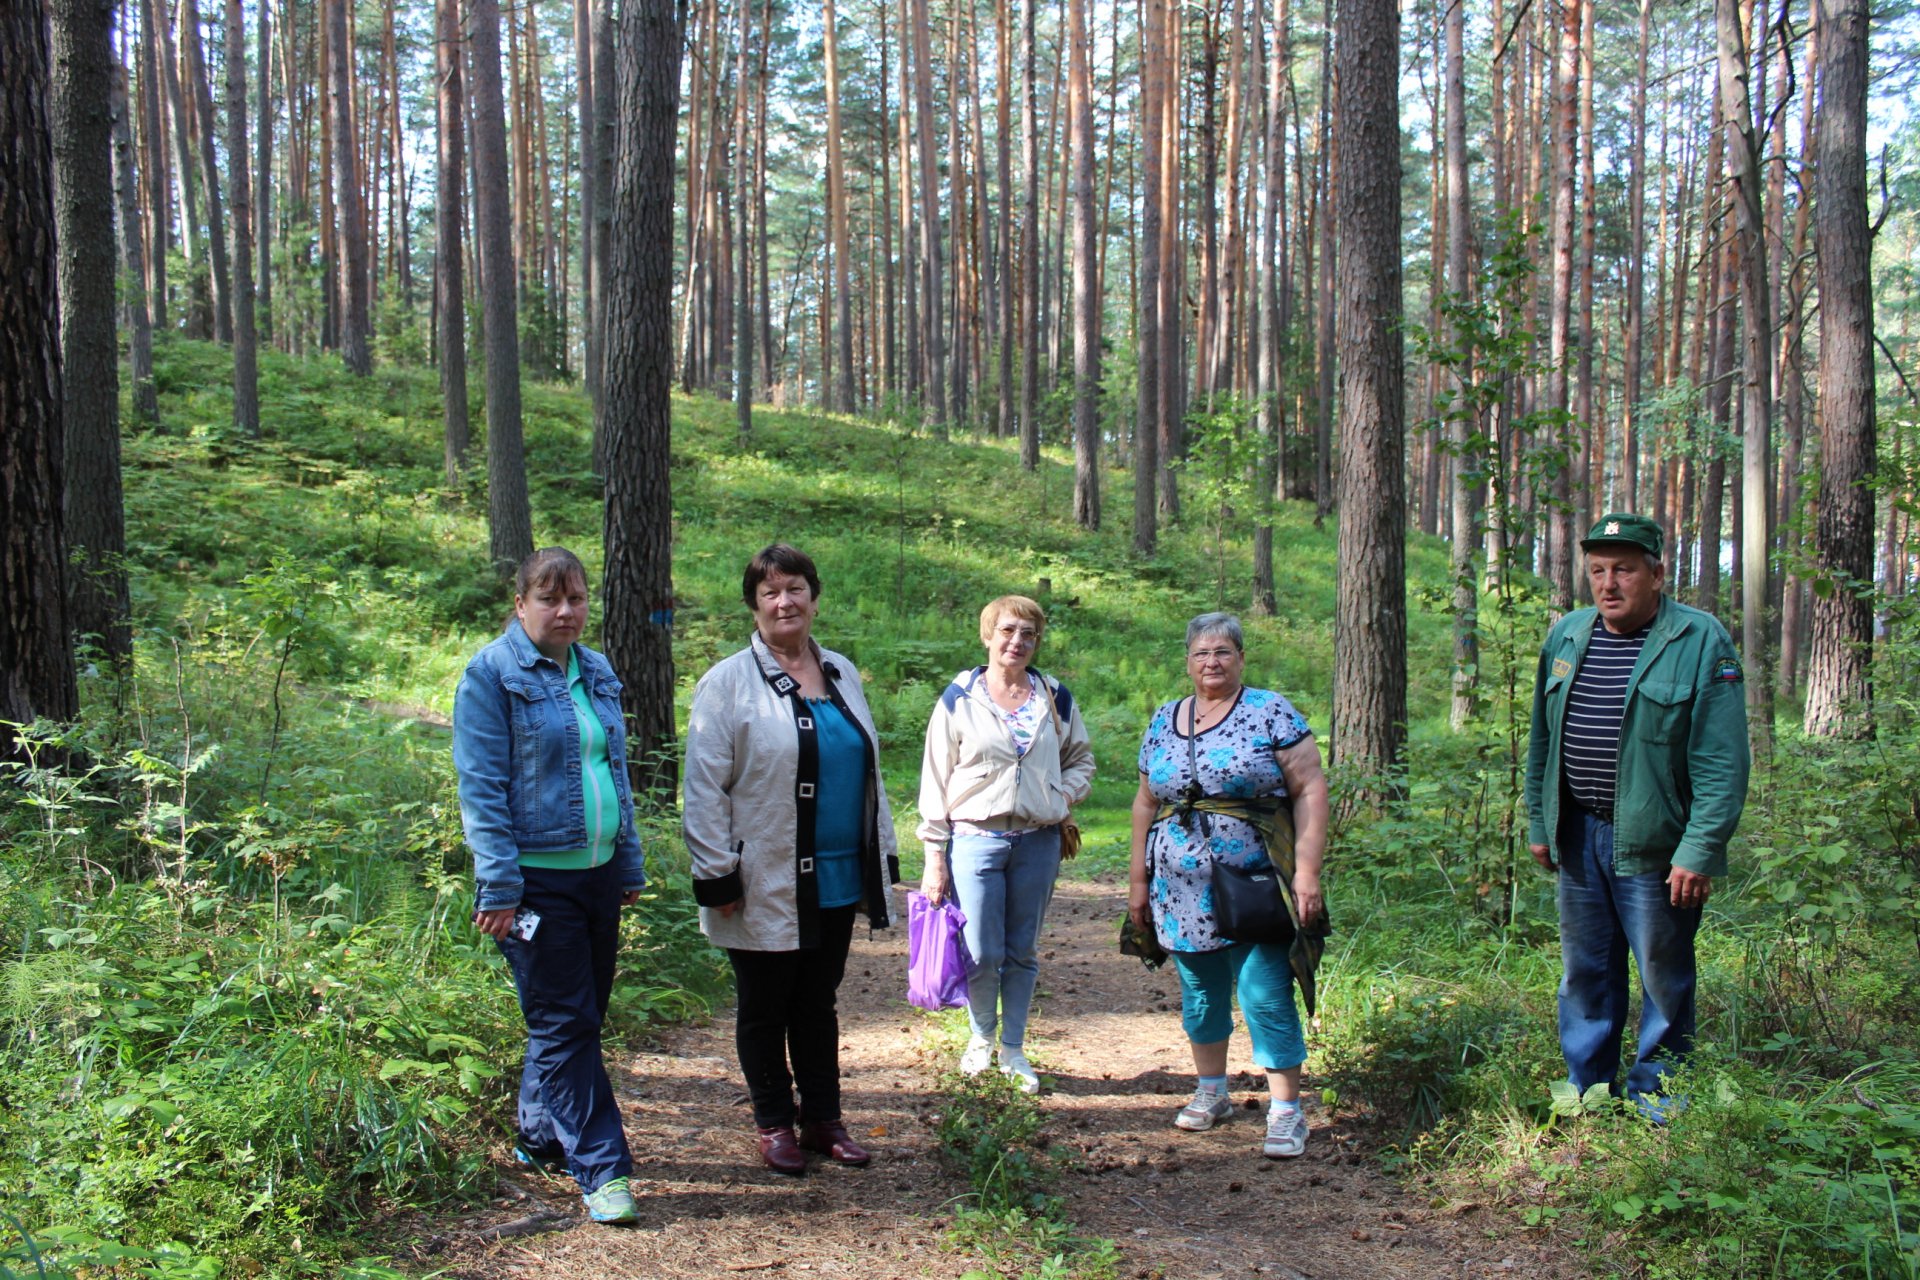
[1137, 908]
[495, 923]
[630, 897]
[1306, 896]
[934, 883]
[726, 909]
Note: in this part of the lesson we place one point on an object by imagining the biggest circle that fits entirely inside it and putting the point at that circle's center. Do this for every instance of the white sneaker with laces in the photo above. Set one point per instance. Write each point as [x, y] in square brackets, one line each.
[1286, 1133]
[977, 1058]
[1013, 1062]
[1208, 1108]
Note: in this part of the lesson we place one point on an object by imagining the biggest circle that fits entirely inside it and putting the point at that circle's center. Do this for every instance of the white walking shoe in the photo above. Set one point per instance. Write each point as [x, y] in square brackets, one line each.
[1208, 1108]
[1013, 1062]
[977, 1058]
[1286, 1133]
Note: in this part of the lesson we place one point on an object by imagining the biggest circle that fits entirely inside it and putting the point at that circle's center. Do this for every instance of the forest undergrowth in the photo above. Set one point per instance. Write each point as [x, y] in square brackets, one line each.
[244, 1020]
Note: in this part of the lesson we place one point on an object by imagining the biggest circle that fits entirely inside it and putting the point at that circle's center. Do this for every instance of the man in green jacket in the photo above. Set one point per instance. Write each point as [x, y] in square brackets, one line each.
[1636, 775]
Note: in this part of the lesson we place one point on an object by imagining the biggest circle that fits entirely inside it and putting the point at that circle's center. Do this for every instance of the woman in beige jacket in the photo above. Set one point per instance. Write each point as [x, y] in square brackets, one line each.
[787, 824]
[1006, 758]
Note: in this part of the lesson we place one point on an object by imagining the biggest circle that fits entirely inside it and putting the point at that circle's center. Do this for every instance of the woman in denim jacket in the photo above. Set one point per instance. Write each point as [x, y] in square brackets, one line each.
[541, 750]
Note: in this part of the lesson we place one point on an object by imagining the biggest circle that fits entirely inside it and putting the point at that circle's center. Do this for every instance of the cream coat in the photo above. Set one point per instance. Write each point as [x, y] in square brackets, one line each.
[740, 812]
[970, 771]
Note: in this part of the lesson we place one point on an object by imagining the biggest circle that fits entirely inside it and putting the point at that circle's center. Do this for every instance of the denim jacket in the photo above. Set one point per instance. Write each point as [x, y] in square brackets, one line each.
[516, 747]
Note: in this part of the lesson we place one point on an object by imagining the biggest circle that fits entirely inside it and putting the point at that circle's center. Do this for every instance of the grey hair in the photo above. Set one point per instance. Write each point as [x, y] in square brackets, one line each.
[1217, 624]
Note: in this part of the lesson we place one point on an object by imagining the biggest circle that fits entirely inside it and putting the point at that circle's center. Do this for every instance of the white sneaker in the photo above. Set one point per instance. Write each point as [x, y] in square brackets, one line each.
[1208, 1108]
[1286, 1133]
[1013, 1062]
[977, 1058]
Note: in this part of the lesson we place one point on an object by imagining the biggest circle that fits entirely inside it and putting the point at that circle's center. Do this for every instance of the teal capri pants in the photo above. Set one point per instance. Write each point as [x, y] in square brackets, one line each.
[1265, 980]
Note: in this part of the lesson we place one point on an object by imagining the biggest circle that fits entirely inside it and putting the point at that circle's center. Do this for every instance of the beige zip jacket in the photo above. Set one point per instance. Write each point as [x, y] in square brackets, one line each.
[742, 799]
[971, 772]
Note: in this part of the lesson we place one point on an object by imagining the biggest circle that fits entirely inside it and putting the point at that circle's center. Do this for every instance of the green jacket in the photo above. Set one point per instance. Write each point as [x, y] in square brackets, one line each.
[1683, 742]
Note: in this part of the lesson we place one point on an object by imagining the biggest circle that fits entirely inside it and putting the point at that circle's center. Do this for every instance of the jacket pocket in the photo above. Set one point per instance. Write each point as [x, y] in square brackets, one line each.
[1667, 710]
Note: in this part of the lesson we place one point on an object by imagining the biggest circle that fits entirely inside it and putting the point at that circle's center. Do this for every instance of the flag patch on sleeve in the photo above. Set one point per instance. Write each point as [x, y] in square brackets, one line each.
[1728, 669]
[1561, 667]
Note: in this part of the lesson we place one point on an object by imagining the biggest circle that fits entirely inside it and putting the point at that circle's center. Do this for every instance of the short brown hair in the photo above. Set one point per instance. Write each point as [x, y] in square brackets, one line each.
[779, 557]
[547, 566]
[1022, 607]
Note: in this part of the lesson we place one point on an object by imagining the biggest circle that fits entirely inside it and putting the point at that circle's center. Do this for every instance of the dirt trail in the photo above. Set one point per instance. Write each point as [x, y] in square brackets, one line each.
[1106, 1032]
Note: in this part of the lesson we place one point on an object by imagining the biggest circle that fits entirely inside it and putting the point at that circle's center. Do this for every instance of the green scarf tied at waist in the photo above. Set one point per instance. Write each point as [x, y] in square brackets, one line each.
[1271, 818]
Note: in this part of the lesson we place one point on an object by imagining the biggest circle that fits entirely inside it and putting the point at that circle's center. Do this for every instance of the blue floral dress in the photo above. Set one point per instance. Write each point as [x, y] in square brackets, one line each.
[1233, 758]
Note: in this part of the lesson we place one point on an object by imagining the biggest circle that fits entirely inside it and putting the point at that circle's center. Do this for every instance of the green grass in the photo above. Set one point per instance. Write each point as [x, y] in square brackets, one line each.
[241, 1006]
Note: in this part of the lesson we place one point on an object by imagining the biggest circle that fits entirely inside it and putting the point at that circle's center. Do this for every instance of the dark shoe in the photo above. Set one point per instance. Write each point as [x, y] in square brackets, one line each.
[830, 1138]
[781, 1151]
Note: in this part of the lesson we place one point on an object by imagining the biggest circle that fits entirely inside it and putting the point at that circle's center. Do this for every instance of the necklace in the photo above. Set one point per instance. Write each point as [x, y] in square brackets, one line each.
[1206, 713]
[1018, 693]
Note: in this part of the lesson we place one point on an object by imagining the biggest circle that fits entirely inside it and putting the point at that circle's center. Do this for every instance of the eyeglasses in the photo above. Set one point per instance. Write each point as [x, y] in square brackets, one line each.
[1217, 655]
[1018, 633]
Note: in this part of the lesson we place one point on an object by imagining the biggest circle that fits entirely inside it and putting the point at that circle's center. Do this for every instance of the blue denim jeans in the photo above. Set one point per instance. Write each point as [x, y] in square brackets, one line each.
[565, 978]
[1265, 981]
[1004, 884]
[1603, 918]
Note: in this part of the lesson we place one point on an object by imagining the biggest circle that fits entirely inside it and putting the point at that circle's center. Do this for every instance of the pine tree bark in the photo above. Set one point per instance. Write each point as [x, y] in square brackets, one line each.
[1840, 656]
[199, 320]
[246, 358]
[448, 257]
[743, 302]
[843, 399]
[639, 510]
[1629, 487]
[1468, 494]
[933, 293]
[1086, 285]
[263, 179]
[509, 515]
[81, 121]
[153, 174]
[146, 402]
[1370, 637]
[351, 236]
[1756, 387]
[200, 85]
[1146, 433]
[1560, 313]
[1030, 237]
[36, 653]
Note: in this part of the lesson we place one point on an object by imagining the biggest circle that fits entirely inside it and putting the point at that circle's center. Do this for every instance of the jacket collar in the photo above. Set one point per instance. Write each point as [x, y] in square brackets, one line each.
[521, 645]
[774, 673]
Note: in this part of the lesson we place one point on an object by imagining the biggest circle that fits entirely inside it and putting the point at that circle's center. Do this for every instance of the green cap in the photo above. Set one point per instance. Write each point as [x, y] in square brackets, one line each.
[1626, 528]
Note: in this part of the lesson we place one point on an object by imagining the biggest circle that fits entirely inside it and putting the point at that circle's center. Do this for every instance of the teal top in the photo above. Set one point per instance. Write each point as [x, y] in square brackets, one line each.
[842, 802]
[596, 784]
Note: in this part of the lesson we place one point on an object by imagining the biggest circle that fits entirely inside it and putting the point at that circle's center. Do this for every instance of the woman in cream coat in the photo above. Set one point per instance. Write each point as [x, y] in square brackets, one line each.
[790, 835]
[1006, 758]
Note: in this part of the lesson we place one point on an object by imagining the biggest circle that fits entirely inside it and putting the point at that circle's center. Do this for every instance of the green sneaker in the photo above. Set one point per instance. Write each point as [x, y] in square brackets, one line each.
[612, 1202]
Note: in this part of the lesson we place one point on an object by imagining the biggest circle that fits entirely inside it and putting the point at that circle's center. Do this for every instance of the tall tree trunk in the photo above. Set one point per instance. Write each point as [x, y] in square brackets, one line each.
[449, 260]
[837, 218]
[639, 510]
[1629, 487]
[1840, 659]
[1756, 311]
[1794, 398]
[263, 178]
[933, 293]
[606, 76]
[584, 74]
[153, 176]
[1566, 132]
[1086, 286]
[1166, 135]
[1030, 237]
[200, 307]
[1270, 311]
[1370, 637]
[1469, 489]
[1146, 451]
[352, 233]
[246, 360]
[146, 402]
[36, 651]
[743, 305]
[1329, 197]
[509, 516]
[200, 85]
[81, 120]
[1005, 423]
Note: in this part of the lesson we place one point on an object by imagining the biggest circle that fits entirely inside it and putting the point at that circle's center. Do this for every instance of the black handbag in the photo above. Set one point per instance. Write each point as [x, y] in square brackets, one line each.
[1248, 905]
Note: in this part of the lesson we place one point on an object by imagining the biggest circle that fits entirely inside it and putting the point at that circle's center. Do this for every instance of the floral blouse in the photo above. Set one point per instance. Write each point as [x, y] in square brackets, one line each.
[1233, 758]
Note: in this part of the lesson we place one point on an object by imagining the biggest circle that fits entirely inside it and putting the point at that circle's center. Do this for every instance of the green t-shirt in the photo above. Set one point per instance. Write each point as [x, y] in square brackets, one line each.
[596, 784]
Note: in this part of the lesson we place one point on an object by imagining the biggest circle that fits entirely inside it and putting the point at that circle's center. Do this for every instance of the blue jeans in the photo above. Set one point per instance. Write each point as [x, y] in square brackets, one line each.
[1004, 884]
[1265, 979]
[1603, 917]
[565, 978]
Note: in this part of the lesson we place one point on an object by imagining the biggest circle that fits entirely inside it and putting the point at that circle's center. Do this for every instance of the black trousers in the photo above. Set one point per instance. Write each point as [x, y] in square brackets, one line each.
[787, 1029]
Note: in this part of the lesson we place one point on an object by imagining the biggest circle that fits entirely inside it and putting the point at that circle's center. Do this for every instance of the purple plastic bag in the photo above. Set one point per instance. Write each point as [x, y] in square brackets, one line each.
[937, 959]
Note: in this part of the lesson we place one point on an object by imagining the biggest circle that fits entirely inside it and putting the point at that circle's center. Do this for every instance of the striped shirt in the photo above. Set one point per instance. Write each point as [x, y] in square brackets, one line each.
[1590, 751]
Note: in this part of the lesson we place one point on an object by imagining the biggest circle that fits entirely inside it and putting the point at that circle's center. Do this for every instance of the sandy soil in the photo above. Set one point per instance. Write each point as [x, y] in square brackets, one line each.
[1106, 1036]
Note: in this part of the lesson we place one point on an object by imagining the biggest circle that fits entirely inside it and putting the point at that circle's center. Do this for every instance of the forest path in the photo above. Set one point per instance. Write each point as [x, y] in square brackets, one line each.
[1106, 1033]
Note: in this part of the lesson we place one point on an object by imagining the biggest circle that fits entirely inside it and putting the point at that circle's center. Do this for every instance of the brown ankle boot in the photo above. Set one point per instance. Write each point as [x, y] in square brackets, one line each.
[830, 1138]
[781, 1150]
